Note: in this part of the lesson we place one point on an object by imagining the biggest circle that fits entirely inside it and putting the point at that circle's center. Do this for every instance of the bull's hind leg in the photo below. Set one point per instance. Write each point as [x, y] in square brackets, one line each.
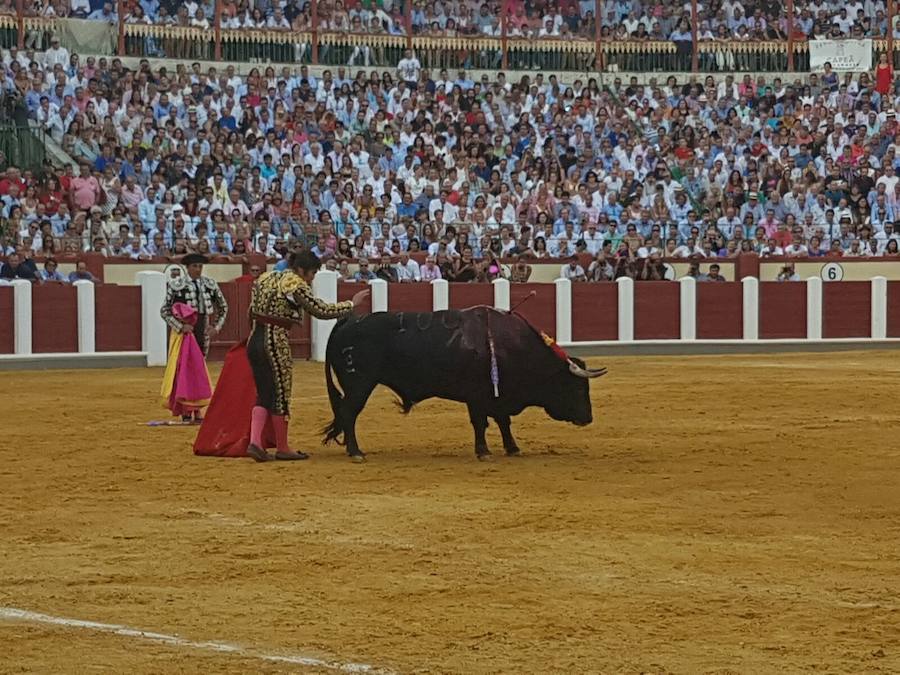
[479, 424]
[351, 407]
[509, 443]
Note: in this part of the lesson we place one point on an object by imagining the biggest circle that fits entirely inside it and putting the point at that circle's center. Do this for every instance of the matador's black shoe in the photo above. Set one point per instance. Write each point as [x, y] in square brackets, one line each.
[258, 453]
[290, 456]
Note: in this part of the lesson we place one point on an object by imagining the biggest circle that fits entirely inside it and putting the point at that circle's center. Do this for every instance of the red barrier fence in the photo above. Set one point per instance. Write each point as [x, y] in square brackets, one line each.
[720, 314]
[782, 311]
[117, 318]
[595, 312]
[601, 312]
[846, 309]
[54, 324]
[893, 309]
[7, 331]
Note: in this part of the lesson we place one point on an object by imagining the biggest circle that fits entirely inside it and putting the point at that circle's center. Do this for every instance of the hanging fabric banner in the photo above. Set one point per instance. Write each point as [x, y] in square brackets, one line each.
[852, 56]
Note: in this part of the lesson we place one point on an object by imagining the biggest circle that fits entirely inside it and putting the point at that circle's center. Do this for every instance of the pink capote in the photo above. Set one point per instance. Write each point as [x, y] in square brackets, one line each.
[190, 388]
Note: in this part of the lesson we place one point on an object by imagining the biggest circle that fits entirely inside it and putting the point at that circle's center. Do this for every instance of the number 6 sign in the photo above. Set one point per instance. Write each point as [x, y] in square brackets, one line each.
[832, 272]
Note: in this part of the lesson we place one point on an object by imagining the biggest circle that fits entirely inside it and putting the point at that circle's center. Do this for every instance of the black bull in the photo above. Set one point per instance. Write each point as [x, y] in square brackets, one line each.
[447, 355]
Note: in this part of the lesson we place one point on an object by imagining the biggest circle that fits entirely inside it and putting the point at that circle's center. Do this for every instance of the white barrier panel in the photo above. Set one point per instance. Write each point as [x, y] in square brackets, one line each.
[87, 326]
[501, 294]
[22, 316]
[879, 308]
[440, 295]
[814, 308]
[687, 287]
[750, 287]
[325, 287]
[563, 310]
[626, 308]
[379, 295]
[153, 328]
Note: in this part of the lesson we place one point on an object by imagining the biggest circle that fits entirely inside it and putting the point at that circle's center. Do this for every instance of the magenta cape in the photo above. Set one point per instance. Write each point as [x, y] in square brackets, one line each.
[185, 387]
[225, 431]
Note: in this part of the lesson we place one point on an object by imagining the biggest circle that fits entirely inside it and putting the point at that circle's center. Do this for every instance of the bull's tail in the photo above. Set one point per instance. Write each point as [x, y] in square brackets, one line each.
[333, 431]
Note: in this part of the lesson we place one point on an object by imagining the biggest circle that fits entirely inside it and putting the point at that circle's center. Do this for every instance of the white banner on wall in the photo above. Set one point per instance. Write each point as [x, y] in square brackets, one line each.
[843, 55]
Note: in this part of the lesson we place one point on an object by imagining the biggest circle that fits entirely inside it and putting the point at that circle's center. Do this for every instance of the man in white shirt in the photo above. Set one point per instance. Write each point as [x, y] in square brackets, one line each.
[315, 158]
[572, 271]
[407, 269]
[409, 68]
[56, 55]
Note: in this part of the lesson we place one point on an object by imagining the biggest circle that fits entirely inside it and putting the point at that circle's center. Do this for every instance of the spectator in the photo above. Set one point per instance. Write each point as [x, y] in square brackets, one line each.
[519, 270]
[81, 273]
[386, 271]
[788, 273]
[572, 270]
[51, 272]
[19, 267]
[430, 271]
[364, 274]
[714, 273]
[406, 269]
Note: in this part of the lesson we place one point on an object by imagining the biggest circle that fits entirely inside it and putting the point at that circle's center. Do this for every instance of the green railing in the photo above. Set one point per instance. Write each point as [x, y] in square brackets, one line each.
[21, 146]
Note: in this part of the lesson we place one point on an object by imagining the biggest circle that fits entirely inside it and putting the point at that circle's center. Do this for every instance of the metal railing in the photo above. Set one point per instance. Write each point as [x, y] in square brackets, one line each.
[591, 47]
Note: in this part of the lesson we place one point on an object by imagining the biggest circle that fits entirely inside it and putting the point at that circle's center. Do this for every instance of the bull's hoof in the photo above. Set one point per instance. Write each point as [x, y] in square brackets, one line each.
[358, 459]
[485, 457]
[514, 452]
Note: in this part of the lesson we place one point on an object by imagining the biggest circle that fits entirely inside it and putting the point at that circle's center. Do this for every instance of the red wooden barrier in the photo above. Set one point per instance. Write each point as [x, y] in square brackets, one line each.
[540, 310]
[117, 317]
[893, 309]
[720, 311]
[54, 318]
[469, 295]
[237, 325]
[847, 309]
[595, 312]
[7, 329]
[346, 291]
[410, 298]
[782, 310]
[657, 310]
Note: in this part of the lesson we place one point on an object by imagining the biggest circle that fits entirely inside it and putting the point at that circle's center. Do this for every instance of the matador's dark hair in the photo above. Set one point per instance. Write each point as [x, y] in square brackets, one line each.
[305, 261]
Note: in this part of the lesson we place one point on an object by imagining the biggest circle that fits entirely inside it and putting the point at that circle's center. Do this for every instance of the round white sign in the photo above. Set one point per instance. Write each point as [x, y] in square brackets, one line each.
[832, 272]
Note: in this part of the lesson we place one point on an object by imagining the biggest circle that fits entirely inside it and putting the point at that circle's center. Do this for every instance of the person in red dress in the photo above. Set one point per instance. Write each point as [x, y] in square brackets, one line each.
[884, 76]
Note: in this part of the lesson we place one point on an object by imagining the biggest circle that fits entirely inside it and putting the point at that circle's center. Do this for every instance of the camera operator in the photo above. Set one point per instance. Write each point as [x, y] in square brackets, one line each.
[654, 269]
[788, 273]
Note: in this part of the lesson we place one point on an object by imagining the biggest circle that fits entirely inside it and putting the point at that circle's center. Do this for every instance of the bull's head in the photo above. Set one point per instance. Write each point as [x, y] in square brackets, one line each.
[571, 396]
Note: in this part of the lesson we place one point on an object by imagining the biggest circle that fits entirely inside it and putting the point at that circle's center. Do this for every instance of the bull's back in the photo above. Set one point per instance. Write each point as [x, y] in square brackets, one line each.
[420, 355]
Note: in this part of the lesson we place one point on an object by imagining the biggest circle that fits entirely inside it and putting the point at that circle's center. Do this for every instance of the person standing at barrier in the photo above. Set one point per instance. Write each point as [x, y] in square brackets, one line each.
[201, 293]
[278, 298]
[209, 308]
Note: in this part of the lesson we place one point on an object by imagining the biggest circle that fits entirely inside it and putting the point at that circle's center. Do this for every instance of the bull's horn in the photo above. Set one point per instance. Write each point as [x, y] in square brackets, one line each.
[587, 373]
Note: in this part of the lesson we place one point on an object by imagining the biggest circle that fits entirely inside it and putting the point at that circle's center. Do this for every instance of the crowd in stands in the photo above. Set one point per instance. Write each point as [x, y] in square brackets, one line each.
[721, 24]
[375, 165]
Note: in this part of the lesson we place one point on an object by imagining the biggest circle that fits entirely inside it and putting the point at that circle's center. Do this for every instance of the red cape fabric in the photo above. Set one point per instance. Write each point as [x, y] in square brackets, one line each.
[225, 431]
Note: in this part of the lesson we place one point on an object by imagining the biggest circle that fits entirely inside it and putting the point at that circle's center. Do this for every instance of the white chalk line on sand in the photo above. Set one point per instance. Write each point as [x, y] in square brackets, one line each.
[22, 615]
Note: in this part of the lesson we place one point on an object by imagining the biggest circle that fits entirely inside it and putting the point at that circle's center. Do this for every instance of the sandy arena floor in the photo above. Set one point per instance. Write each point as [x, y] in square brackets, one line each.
[730, 514]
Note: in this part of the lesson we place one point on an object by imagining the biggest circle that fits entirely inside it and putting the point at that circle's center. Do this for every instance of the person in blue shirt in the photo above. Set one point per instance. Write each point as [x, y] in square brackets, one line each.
[407, 209]
[51, 272]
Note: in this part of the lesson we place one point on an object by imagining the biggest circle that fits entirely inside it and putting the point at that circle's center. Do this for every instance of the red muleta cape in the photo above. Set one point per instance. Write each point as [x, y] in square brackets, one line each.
[225, 431]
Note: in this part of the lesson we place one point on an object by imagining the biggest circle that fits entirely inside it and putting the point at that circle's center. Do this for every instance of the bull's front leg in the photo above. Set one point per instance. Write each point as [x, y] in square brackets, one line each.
[509, 443]
[479, 424]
